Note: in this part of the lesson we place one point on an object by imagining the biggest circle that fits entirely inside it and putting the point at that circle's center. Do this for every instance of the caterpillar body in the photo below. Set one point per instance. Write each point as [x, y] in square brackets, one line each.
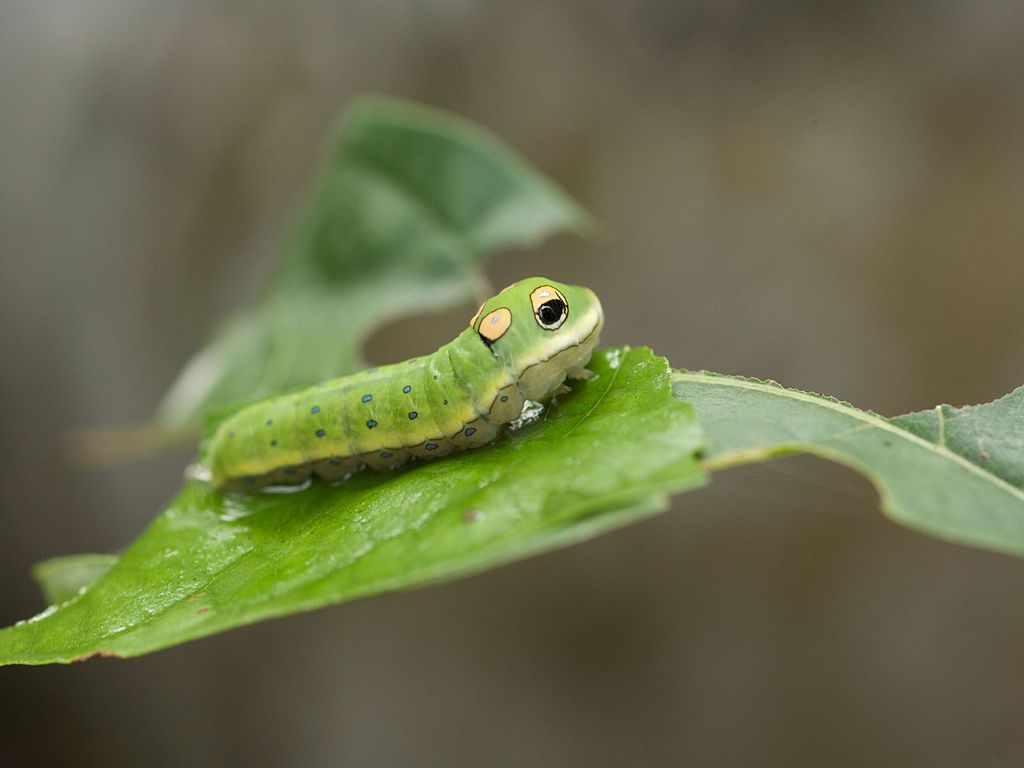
[521, 345]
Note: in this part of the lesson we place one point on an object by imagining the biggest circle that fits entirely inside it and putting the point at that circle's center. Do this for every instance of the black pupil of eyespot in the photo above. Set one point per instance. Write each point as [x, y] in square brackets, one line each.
[551, 311]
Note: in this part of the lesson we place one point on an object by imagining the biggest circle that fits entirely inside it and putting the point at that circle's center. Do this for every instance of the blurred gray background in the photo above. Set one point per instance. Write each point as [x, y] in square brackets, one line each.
[827, 194]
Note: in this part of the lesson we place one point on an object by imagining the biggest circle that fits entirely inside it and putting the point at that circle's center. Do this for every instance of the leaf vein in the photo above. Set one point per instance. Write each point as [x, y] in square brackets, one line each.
[874, 420]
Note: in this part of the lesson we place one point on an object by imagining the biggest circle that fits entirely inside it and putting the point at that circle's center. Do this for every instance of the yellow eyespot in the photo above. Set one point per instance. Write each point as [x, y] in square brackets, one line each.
[494, 325]
[549, 307]
[472, 321]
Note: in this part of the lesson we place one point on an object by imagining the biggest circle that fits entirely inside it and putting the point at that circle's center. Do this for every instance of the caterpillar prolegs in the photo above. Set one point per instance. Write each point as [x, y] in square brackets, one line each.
[520, 345]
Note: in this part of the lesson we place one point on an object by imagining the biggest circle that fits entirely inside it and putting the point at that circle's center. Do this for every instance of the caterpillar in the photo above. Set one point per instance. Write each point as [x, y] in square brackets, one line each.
[522, 344]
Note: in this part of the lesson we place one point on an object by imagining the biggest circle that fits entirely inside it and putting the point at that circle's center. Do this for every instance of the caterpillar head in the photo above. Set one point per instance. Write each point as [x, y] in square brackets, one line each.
[541, 330]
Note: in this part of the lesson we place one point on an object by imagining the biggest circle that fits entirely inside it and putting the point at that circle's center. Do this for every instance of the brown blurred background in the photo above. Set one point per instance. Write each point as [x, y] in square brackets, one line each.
[827, 194]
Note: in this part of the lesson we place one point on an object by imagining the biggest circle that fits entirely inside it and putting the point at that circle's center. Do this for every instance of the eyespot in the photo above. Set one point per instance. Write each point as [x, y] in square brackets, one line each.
[494, 325]
[549, 307]
[473, 319]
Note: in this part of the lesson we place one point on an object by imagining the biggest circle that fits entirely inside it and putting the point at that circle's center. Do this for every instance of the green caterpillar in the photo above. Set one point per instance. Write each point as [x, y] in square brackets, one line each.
[520, 345]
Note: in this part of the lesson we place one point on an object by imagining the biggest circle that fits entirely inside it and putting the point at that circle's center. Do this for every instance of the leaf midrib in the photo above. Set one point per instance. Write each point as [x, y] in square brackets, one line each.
[869, 419]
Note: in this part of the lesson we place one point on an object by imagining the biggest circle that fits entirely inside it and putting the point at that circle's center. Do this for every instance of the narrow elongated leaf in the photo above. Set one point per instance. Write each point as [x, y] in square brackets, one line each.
[953, 473]
[605, 454]
[410, 201]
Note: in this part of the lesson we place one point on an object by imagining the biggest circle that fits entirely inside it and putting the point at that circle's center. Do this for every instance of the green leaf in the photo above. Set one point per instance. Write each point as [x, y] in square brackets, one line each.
[61, 578]
[990, 435]
[604, 455]
[952, 473]
[410, 202]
